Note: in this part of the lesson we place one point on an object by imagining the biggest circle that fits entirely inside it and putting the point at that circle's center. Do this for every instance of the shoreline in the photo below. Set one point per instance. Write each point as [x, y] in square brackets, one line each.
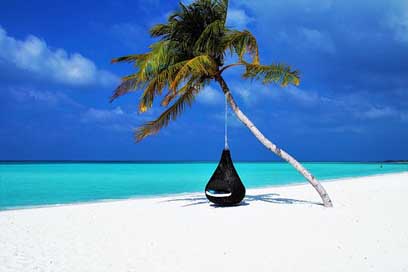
[364, 231]
[181, 161]
[184, 194]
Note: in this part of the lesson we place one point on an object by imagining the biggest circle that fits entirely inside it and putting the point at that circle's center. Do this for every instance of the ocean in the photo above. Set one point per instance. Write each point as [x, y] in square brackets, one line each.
[38, 184]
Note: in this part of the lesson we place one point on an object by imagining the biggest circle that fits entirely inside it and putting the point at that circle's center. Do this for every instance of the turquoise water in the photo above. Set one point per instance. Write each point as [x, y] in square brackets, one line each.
[33, 184]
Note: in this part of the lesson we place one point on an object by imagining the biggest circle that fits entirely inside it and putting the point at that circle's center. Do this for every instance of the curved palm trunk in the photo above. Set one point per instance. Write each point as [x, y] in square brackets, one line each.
[272, 147]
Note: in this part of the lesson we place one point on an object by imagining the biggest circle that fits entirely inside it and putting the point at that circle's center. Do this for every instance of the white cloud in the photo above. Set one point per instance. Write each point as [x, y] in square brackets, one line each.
[278, 9]
[30, 97]
[378, 112]
[385, 112]
[304, 97]
[245, 93]
[253, 93]
[399, 24]
[102, 115]
[356, 104]
[238, 18]
[346, 129]
[315, 39]
[35, 56]
[311, 39]
[115, 119]
[404, 116]
[210, 96]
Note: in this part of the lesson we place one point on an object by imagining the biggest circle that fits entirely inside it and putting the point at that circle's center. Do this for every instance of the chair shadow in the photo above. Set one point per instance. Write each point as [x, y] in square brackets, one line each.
[272, 198]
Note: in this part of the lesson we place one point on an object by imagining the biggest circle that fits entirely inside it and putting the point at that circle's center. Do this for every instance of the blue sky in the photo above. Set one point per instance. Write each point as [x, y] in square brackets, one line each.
[352, 104]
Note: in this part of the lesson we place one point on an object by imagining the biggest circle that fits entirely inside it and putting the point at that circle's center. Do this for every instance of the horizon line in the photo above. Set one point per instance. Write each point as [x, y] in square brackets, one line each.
[197, 161]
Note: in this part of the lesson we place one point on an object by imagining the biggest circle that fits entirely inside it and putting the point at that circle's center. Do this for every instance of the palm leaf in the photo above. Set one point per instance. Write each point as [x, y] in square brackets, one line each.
[202, 65]
[148, 65]
[276, 73]
[190, 52]
[152, 127]
[128, 84]
[209, 39]
[156, 85]
[160, 30]
[242, 42]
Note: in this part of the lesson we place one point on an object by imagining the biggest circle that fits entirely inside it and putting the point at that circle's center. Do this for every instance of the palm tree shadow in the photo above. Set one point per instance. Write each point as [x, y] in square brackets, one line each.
[275, 199]
[269, 198]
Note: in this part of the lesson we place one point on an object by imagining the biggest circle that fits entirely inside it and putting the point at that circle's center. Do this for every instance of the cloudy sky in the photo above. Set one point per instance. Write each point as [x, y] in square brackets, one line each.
[352, 104]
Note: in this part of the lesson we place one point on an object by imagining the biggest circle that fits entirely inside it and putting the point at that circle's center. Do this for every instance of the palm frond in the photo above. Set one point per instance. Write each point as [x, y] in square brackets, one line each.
[276, 73]
[209, 39]
[202, 65]
[128, 84]
[189, 53]
[196, 82]
[129, 58]
[153, 88]
[152, 127]
[161, 55]
[171, 95]
[242, 42]
[157, 83]
[223, 8]
[160, 30]
[148, 65]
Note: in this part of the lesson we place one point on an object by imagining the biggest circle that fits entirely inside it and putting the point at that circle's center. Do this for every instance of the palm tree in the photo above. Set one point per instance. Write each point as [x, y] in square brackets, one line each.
[189, 54]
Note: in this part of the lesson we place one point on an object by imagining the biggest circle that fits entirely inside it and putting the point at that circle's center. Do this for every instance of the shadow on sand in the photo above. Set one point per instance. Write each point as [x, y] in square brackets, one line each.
[269, 198]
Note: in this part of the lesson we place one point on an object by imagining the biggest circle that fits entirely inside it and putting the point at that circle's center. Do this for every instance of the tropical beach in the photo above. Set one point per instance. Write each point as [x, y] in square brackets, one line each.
[203, 135]
[277, 228]
[38, 184]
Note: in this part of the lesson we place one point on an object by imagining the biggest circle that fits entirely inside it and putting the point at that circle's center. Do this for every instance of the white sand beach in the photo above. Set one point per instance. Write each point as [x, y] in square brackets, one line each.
[278, 229]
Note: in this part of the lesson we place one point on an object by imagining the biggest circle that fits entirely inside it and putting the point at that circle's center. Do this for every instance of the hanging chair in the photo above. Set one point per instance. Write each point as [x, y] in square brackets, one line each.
[225, 187]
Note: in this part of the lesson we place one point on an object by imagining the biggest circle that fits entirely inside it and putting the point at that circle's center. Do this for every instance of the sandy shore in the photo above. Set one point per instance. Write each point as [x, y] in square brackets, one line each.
[278, 229]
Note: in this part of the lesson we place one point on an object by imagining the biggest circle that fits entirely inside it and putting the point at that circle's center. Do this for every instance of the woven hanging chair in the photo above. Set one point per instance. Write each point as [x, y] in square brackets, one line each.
[225, 187]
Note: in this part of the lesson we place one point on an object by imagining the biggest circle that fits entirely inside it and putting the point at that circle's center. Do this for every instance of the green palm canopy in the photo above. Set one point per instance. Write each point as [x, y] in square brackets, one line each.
[190, 52]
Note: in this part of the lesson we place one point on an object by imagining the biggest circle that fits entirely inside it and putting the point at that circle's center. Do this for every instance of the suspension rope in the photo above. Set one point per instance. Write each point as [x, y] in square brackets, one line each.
[226, 124]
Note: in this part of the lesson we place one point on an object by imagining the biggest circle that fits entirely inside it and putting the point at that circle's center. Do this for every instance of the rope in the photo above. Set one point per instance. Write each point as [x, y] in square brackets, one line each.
[226, 124]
